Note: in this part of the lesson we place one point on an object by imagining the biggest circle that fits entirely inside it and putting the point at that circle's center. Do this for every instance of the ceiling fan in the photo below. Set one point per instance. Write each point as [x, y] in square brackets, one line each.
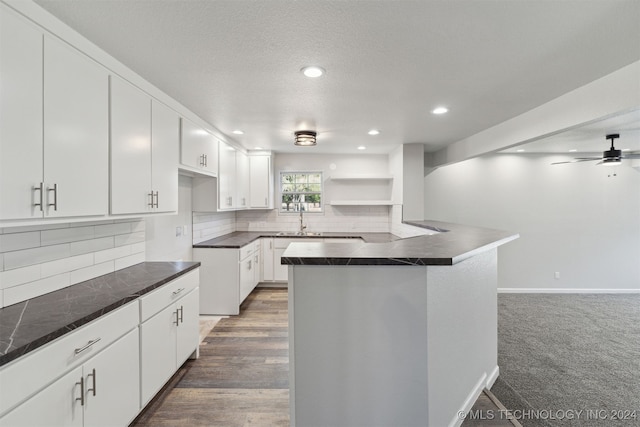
[610, 157]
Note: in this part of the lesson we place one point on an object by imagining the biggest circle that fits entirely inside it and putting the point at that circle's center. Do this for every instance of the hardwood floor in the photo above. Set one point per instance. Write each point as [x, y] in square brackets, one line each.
[242, 375]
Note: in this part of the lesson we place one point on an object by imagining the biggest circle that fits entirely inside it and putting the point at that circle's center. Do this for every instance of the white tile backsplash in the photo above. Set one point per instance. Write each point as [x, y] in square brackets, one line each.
[23, 292]
[43, 258]
[16, 242]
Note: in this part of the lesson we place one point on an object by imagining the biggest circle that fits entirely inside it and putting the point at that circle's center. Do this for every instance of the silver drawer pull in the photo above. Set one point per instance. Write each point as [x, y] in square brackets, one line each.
[92, 375]
[40, 189]
[176, 292]
[81, 398]
[86, 346]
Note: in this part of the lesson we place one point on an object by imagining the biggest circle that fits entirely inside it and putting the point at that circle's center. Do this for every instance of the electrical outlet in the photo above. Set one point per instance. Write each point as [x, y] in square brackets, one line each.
[557, 275]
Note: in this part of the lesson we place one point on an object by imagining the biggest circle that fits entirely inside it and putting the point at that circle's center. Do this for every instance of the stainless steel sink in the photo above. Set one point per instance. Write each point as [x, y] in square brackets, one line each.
[298, 233]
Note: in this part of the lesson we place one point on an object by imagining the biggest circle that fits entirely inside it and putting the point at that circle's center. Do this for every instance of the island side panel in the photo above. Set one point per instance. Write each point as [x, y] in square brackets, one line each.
[358, 345]
[462, 335]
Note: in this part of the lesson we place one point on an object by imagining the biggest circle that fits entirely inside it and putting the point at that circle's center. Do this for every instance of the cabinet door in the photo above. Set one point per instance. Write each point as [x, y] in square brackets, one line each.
[257, 267]
[20, 117]
[56, 405]
[259, 177]
[112, 384]
[76, 132]
[165, 138]
[226, 176]
[198, 148]
[188, 331]
[247, 274]
[242, 180]
[267, 260]
[280, 272]
[130, 149]
[157, 352]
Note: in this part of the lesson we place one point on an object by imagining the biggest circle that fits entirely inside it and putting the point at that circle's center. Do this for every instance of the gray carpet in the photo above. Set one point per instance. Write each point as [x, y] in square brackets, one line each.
[560, 354]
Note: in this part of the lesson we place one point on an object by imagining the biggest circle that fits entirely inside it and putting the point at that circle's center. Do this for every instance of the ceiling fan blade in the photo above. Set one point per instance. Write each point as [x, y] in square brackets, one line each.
[631, 156]
[577, 161]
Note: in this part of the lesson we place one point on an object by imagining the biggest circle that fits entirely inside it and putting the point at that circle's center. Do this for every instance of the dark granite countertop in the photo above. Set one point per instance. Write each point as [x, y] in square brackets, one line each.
[452, 244]
[238, 239]
[30, 324]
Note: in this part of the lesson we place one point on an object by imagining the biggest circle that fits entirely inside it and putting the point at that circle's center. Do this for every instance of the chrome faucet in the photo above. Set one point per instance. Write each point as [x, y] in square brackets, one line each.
[302, 226]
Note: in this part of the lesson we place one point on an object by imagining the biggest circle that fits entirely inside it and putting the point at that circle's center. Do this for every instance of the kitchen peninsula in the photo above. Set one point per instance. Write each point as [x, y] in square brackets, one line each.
[397, 333]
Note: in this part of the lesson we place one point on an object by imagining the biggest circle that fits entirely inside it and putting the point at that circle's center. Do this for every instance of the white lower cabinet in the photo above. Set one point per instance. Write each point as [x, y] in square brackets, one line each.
[267, 259]
[103, 373]
[169, 332]
[228, 276]
[89, 393]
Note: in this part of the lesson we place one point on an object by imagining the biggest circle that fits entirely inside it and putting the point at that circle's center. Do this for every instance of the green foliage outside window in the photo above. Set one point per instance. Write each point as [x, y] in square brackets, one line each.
[301, 191]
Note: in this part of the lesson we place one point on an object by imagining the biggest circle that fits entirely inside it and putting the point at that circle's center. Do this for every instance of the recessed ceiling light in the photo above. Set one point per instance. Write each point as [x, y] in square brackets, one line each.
[257, 148]
[362, 147]
[520, 150]
[439, 110]
[238, 132]
[374, 132]
[312, 71]
[573, 150]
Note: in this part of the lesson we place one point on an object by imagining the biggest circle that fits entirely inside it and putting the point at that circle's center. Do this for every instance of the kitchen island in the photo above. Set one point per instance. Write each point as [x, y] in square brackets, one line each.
[397, 333]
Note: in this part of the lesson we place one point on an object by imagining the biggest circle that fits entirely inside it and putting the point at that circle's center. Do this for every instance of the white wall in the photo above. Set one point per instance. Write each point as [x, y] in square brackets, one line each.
[163, 241]
[573, 219]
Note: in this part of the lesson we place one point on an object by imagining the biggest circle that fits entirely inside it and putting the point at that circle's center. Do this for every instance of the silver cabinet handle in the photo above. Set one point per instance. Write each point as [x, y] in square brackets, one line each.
[151, 196]
[181, 314]
[93, 376]
[177, 291]
[86, 346]
[201, 159]
[157, 198]
[55, 196]
[266, 202]
[205, 160]
[81, 398]
[41, 190]
[177, 321]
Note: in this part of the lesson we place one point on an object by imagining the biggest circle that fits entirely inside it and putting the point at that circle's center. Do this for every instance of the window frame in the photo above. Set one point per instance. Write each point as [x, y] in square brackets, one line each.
[301, 172]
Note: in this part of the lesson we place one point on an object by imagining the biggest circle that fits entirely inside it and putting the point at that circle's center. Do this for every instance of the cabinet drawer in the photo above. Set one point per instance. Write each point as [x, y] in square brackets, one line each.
[27, 375]
[155, 301]
[247, 250]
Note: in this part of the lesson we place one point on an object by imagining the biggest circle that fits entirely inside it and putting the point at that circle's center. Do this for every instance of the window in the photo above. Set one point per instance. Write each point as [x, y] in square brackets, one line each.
[300, 191]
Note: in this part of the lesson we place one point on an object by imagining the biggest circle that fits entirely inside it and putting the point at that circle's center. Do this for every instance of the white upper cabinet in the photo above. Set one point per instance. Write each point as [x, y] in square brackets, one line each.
[76, 132]
[242, 180]
[165, 140]
[131, 190]
[53, 127]
[20, 117]
[144, 150]
[198, 149]
[227, 198]
[261, 182]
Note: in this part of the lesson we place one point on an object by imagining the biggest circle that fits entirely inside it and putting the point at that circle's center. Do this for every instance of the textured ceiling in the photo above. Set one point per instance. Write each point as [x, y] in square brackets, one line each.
[236, 63]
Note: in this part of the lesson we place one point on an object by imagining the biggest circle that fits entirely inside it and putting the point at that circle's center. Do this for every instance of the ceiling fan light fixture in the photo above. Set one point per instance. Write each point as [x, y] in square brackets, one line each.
[305, 138]
[611, 162]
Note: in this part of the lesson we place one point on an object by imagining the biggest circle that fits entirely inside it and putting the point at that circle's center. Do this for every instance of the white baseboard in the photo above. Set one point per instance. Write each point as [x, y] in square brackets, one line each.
[493, 376]
[566, 291]
[457, 420]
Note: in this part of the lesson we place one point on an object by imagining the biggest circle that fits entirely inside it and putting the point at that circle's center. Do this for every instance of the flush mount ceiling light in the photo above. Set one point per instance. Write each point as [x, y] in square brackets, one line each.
[374, 132]
[238, 132]
[312, 71]
[362, 147]
[305, 138]
[439, 110]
